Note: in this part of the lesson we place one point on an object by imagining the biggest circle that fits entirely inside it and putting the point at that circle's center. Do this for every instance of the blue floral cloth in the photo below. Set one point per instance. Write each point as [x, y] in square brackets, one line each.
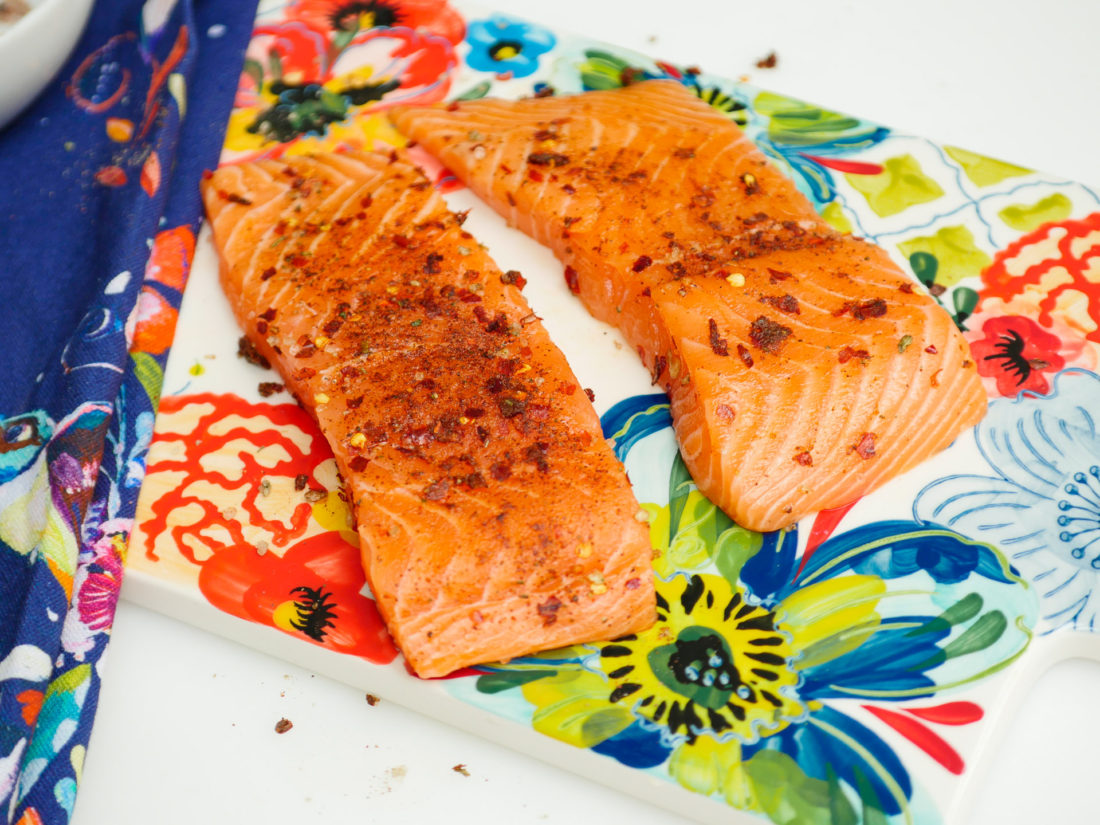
[98, 212]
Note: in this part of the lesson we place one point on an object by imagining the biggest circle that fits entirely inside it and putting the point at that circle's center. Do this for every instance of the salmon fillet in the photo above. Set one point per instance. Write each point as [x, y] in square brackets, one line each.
[494, 519]
[803, 367]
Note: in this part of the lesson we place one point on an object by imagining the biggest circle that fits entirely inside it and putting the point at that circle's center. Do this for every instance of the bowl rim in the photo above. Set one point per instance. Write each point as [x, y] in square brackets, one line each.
[39, 8]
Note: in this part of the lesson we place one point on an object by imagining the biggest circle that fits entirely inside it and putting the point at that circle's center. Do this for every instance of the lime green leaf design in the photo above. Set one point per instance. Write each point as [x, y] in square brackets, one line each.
[1025, 217]
[572, 706]
[957, 255]
[981, 170]
[902, 184]
[835, 217]
[149, 373]
[602, 70]
[795, 123]
[786, 794]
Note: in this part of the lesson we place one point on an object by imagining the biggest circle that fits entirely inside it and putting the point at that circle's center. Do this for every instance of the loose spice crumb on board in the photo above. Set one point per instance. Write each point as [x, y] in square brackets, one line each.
[769, 62]
[460, 768]
[283, 725]
[372, 700]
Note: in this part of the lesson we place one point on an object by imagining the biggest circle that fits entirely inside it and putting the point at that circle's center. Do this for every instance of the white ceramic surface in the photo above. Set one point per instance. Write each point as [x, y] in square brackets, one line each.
[206, 707]
[34, 48]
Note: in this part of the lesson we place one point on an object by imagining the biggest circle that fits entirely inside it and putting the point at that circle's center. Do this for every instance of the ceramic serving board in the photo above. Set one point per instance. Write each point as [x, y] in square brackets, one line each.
[902, 625]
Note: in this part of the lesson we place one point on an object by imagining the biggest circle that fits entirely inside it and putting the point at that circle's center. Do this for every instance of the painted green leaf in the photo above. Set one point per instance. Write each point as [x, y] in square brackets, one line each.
[902, 184]
[735, 547]
[925, 266]
[254, 70]
[982, 170]
[1024, 217]
[957, 256]
[840, 809]
[602, 70]
[475, 92]
[965, 301]
[572, 706]
[497, 682]
[785, 793]
[794, 122]
[150, 375]
[980, 635]
[835, 217]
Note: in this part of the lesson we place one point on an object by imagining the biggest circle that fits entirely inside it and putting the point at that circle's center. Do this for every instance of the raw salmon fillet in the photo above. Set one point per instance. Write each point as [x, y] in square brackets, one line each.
[494, 519]
[803, 367]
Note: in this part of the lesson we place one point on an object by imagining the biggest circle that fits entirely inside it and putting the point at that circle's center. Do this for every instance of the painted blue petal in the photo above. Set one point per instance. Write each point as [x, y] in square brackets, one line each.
[1036, 441]
[825, 741]
[632, 419]
[635, 747]
[892, 549]
[768, 574]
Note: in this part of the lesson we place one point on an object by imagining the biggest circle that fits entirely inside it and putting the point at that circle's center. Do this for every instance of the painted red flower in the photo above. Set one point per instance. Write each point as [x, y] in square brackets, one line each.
[312, 592]
[351, 16]
[1017, 353]
[303, 90]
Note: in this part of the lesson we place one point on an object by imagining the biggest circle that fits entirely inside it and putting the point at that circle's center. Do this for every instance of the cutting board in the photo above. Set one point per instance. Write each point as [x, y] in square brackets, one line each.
[906, 623]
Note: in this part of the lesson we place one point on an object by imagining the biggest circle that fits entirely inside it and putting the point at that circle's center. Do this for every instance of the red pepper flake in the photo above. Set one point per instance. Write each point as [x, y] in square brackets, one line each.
[861, 311]
[906, 288]
[269, 388]
[569, 189]
[513, 276]
[591, 395]
[267, 273]
[659, 364]
[693, 71]
[572, 281]
[233, 197]
[247, 350]
[846, 354]
[432, 262]
[268, 314]
[468, 297]
[437, 490]
[549, 610]
[777, 275]
[354, 403]
[536, 454]
[719, 346]
[372, 700]
[567, 389]
[510, 198]
[643, 263]
[358, 463]
[261, 327]
[865, 447]
[931, 349]
[402, 241]
[545, 91]
[684, 153]
[768, 335]
[784, 303]
[300, 482]
[501, 471]
[535, 175]
[805, 459]
[297, 261]
[744, 354]
[725, 412]
[306, 348]
[283, 725]
[646, 292]
[553, 159]
[630, 75]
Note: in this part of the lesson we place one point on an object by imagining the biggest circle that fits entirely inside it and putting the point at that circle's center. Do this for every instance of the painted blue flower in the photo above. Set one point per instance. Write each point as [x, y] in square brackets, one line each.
[501, 45]
[743, 687]
[1042, 505]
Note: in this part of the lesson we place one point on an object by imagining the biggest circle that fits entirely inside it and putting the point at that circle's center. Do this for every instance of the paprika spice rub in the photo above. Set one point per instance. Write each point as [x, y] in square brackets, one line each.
[494, 519]
[673, 227]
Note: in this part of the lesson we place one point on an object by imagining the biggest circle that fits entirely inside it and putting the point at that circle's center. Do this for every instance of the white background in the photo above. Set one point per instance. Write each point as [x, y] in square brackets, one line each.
[185, 726]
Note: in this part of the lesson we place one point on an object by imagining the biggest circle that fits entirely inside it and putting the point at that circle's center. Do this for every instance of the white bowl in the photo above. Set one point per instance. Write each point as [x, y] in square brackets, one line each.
[33, 49]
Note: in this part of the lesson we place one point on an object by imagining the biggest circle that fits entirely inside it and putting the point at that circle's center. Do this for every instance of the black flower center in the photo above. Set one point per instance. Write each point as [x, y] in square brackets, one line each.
[356, 16]
[315, 611]
[1009, 351]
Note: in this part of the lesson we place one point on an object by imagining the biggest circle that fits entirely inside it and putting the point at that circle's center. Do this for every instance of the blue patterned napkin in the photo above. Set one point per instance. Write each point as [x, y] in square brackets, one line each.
[99, 207]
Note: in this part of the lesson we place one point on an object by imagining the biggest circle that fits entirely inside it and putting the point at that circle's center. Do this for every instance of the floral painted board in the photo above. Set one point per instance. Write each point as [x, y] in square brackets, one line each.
[847, 670]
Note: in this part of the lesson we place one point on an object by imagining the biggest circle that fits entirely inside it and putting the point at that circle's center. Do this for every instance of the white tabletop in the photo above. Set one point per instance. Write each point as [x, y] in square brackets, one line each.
[185, 731]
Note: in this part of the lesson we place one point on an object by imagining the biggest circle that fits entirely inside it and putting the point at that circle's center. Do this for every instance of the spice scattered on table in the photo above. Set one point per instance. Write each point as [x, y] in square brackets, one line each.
[769, 62]
[283, 725]
[372, 700]
[269, 388]
[460, 768]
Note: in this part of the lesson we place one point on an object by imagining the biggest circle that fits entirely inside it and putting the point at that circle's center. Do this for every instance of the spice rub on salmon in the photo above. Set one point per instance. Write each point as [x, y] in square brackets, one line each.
[804, 368]
[494, 520]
